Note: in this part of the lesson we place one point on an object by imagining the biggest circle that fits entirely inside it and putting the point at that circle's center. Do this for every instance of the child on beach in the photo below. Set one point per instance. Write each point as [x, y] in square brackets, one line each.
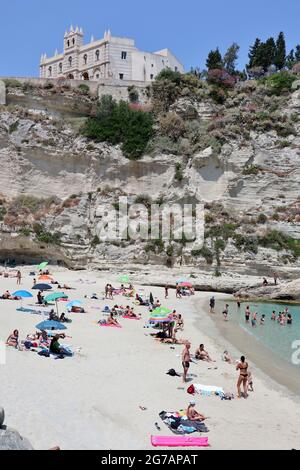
[212, 304]
[250, 382]
[225, 312]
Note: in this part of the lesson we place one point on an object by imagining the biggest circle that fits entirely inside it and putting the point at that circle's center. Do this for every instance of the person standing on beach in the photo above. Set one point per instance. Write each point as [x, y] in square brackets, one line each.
[276, 277]
[166, 291]
[242, 367]
[19, 278]
[225, 312]
[186, 359]
[212, 304]
[178, 293]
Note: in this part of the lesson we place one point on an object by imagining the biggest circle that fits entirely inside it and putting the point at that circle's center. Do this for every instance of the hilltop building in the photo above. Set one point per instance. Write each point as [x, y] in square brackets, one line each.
[108, 58]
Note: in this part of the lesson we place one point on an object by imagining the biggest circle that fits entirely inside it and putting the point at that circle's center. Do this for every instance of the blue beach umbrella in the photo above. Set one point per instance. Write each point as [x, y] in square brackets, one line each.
[50, 325]
[42, 287]
[74, 303]
[24, 294]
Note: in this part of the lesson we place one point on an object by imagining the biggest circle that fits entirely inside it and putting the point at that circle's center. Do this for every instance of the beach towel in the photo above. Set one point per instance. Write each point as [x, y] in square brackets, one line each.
[131, 318]
[178, 423]
[208, 390]
[32, 311]
[106, 325]
[179, 441]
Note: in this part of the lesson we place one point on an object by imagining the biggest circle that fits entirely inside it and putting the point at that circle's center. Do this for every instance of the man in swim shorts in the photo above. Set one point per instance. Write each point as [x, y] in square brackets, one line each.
[186, 359]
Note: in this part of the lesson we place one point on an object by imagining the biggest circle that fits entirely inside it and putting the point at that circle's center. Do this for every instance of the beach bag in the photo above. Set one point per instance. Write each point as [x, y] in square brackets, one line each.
[173, 373]
[191, 390]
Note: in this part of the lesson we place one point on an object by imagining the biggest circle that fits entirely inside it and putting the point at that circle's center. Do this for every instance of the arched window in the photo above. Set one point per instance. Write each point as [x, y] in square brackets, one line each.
[60, 67]
[68, 43]
[97, 54]
[50, 71]
[70, 62]
[85, 58]
[73, 41]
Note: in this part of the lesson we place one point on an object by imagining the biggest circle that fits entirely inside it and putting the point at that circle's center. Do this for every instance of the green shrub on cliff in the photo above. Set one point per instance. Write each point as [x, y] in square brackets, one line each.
[280, 83]
[117, 123]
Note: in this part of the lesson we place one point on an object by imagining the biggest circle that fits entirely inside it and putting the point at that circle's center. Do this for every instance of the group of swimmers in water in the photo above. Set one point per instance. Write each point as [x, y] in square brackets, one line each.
[283, 318]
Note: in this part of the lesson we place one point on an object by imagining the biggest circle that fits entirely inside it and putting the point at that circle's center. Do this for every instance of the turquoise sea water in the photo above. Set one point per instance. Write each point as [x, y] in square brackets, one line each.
[279, 339]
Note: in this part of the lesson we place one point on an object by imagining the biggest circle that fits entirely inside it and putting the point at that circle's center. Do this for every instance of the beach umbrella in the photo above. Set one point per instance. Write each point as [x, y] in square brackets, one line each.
[45, 278]
[181, 280]
[160, 320]
[42, 287]
[124, 279]
[74, 303]
[50, 325]
[55, 297]
[186, 284]
[161, 311]
[43, 265]
[24, 294]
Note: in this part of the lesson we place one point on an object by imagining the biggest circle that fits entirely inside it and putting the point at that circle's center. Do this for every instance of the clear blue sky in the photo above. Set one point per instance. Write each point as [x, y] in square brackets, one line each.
[190, 28]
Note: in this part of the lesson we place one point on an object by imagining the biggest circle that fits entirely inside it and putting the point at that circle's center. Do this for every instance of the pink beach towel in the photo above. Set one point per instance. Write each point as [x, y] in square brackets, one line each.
[179, 441]
[131, 318]
[105, 325]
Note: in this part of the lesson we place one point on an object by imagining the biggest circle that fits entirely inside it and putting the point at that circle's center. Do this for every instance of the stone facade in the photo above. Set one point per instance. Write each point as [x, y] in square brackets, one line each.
[109, 58]
[2, 93]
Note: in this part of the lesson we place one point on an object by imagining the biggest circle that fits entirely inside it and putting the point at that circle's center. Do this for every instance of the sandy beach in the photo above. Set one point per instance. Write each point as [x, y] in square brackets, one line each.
[92, 401]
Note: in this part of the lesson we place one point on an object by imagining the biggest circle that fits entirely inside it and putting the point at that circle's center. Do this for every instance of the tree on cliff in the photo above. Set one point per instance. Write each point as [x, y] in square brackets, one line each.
[253, 53]
[214, 60]
[231, 57]
[280, 52]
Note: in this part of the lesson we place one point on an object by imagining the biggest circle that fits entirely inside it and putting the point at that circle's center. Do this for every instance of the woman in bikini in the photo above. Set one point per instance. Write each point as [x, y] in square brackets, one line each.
[112, 321]
[13, 339]
[242, 366]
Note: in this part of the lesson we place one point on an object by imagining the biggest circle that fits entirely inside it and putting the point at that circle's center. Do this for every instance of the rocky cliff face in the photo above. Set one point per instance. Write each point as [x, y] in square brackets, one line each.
[54, 183]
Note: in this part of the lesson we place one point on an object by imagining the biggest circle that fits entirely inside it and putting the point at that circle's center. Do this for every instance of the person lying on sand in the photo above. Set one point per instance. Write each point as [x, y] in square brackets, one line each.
[111, 320]
[193, 415]
[203, 355]
[65, 287]
[7, 296]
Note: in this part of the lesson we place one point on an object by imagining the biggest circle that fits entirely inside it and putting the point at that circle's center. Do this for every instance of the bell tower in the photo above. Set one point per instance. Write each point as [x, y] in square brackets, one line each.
[73, 39]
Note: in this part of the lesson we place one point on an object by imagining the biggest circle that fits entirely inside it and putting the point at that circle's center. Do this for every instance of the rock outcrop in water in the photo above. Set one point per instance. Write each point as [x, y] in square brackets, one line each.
[240, 159]
[288, 291]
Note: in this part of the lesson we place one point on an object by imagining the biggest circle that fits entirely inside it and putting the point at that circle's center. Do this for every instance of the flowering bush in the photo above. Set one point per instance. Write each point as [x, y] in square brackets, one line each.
[296, 68]
[221, 78]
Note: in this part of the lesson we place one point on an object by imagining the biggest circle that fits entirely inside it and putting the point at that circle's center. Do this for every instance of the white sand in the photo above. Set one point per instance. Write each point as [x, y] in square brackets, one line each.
[92, 401]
